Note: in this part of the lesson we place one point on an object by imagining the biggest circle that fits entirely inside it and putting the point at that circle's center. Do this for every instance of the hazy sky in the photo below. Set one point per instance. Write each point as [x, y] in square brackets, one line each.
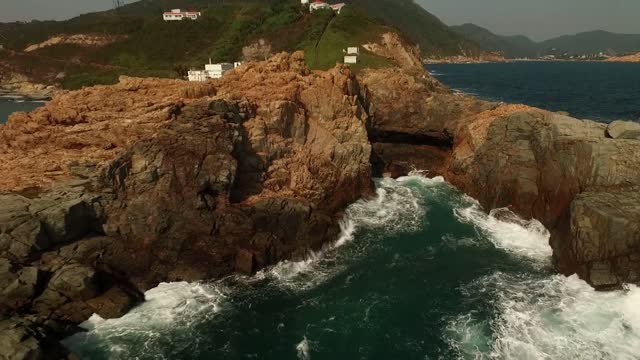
[539, 19]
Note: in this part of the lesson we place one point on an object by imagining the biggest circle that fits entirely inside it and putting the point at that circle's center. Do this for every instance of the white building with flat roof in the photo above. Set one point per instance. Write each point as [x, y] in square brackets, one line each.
[353, 50]
[351, 55]
[317, 5]
[351, 59]
[211, 71]
[179, 15]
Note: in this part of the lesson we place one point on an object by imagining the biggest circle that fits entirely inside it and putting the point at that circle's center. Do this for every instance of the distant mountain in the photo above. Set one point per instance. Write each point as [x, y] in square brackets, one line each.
[591, 42]
[518, 46]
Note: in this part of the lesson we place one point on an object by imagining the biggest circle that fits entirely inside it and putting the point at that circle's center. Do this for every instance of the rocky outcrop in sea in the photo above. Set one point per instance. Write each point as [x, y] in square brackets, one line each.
[578, 177]
[110, 190]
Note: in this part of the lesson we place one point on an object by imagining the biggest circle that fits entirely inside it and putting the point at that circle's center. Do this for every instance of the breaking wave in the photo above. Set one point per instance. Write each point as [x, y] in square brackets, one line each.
[509, 232]
[397, 207]
[555, 317]
[167, 308]
[540, 316]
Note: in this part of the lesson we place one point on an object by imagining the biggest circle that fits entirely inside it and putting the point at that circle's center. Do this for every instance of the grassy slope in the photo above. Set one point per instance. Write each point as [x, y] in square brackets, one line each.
[331, 34]
[432, 35]
[157, 48]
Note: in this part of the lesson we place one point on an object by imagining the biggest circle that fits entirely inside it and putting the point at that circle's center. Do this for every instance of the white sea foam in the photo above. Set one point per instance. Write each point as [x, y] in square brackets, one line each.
[166, 307]
[551, 318]
[302, 348]
[541, 317]
[508, 232]
[395, 208]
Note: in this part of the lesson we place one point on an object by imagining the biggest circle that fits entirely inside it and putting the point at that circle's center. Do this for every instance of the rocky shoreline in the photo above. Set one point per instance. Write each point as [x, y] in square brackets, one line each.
[109, 190]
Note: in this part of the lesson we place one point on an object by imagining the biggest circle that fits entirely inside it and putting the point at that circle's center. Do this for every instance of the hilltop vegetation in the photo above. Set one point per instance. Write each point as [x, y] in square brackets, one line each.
[149, 46]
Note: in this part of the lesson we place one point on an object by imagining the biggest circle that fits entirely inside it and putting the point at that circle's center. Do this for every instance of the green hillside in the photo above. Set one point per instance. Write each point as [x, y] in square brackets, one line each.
[149, 46]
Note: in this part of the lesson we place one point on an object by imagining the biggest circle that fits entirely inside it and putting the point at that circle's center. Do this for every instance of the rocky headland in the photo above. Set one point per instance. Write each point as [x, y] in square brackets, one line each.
[633, 58]
[109, 190]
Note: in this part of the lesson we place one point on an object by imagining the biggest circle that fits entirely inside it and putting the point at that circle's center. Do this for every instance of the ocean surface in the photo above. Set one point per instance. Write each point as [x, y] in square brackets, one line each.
[420, 272]
[588, 90]
[7, 107]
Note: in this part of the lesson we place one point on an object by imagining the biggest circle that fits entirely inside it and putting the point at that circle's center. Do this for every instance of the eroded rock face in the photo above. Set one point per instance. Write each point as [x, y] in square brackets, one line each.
[413, 119]
[169, 180]
[561, 171]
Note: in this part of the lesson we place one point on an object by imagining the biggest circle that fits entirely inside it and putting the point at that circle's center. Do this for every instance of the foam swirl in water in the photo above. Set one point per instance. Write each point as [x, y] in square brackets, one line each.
[507, 231]
[167, 307]
[549, 318]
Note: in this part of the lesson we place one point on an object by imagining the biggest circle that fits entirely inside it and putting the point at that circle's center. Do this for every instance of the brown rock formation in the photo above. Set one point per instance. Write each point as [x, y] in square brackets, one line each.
[113, 189]
[392, 46]
[626, 58]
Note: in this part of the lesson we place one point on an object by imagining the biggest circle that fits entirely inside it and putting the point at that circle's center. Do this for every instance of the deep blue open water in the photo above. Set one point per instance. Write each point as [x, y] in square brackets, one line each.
[590, 90]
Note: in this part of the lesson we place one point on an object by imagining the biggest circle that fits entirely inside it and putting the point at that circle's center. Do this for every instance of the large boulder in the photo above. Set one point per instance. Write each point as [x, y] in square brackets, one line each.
[624, 130]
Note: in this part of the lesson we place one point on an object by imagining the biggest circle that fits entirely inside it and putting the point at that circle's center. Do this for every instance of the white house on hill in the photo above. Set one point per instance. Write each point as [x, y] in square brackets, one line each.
[211, 71]
[351, 55]
[179, 15]
[317, 5]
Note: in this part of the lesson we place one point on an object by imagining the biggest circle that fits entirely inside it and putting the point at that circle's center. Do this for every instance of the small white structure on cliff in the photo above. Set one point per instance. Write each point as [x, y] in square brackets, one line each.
[351, 55]
[317, 5]
[337, 7]
[211, 71]
[179, 15]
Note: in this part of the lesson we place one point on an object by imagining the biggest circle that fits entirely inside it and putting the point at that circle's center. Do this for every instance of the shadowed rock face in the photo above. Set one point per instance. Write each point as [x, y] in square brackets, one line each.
[159, 180]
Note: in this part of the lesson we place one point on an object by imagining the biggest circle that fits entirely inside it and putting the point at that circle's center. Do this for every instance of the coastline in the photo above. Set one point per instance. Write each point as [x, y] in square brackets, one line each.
[314, 138]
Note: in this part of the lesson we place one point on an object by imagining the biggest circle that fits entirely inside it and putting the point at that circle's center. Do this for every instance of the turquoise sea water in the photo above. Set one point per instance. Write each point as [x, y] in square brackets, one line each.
[591, 90]
[8, 107]
[420, 272]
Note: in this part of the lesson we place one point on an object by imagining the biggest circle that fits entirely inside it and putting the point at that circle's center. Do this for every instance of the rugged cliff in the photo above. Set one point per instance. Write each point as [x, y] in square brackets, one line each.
[110, 190]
